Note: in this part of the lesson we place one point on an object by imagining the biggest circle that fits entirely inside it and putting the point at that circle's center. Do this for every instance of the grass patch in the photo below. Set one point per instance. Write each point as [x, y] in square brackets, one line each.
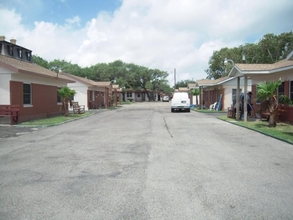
[126, 103]
[207, 110]
[114, 107]
[55, 120]
[283, 131]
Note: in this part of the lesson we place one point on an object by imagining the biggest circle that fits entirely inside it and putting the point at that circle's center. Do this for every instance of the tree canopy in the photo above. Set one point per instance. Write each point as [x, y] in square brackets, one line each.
[183, 83]
[270, 49]
[127, 75]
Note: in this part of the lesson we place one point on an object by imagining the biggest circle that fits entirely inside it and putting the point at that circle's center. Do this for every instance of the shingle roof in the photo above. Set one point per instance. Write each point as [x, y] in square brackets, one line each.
[29, 68]
[115, 86]
[210, 82]
[264, 67]
[86, 81]
[183, 89]
[192, 85]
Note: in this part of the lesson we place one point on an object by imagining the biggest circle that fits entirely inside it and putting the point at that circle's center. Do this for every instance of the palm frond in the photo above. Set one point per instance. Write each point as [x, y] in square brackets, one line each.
[266, 89]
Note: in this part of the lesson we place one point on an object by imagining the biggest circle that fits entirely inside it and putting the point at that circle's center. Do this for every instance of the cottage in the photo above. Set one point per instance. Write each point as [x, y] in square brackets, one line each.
[24, 83]
[222, 89]
[282, 70]
[140, 95]
[90, 93]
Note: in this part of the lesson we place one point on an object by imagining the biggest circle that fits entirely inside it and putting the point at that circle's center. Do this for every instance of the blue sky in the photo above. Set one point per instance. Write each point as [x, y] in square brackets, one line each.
[57, 11]
[163, 34]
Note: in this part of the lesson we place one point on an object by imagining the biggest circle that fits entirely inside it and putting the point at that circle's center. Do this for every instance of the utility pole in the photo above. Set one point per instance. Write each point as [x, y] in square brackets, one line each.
[174, 77]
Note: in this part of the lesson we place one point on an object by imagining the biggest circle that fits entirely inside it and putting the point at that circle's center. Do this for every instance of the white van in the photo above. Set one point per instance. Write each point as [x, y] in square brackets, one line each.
[180, 101]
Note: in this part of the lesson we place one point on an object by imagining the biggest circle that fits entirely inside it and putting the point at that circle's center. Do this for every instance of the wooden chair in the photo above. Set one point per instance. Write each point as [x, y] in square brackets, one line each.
[78, 109]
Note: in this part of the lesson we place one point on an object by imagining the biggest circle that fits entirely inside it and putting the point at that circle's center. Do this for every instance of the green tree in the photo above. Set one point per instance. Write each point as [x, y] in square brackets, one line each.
[127, 75]
[66, 94]
[40, 61]
[266, 92]
[65, 66]
[183, 83]
[270, 49]
[196, 93]
[139, 77]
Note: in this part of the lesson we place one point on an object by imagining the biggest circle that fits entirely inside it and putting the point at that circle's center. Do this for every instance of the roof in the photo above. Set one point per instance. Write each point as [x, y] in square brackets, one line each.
[24, 67]
[117, 88]
[86, 81]
[243, 68]
[181, 89]
[192, 85]
[263, 67]
[212, 82]
[2, 40]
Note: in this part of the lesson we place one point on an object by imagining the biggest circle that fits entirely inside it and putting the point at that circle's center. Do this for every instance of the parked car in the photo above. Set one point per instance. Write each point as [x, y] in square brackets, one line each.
[180, 102]
[166, 98]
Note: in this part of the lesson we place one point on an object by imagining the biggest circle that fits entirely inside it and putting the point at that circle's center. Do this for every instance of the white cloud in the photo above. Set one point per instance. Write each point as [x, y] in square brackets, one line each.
[164, 34]
[73, 21]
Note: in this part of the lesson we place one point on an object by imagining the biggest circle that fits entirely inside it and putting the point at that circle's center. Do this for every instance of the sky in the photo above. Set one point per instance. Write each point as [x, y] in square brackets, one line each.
[161, 34]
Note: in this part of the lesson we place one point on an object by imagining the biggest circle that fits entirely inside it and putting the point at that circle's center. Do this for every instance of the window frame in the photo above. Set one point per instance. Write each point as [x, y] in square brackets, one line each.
[234, 90]
[20, 53]
[28, 56]
[10, 50]
[27, 95]
[279, 93]
[291, 90]
[59, 99]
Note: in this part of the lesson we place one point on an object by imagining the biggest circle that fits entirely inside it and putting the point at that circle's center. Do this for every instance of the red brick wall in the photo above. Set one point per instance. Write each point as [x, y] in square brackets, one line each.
[212, 96]
[44, 101]
[287, 111]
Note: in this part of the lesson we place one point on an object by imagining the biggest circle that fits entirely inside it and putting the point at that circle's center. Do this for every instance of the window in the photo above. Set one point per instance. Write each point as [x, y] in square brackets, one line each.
[138, 95]
[129, 94]
[27, 94]
[28, 56]
[281, 90]
[291, 90]
[19, 51]
[234, 95]
[58, 96]
[10, 50]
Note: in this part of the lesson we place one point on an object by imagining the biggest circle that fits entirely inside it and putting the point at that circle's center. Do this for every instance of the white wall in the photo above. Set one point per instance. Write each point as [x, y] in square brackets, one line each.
[27, 78]
[81, 93]
[4, 88]
[229, 86]
[287, 75]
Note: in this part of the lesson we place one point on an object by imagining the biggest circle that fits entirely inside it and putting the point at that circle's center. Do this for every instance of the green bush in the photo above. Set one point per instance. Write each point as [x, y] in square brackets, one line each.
[283, 99]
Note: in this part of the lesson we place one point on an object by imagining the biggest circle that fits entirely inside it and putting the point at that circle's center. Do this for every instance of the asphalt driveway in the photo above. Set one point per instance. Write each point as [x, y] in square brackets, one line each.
[143, 162]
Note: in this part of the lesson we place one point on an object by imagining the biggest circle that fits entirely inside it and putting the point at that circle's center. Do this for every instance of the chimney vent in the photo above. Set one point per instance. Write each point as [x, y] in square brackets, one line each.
[2, 38]
[13, 41]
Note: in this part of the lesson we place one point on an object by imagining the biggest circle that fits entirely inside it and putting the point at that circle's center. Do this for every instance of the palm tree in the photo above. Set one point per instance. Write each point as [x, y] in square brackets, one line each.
[266, 92]
[66, 94]
[196, 93]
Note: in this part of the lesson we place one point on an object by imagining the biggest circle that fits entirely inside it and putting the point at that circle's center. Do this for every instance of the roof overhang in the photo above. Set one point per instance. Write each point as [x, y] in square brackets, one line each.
[214, 82]
[46, 76]
[237, 72]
